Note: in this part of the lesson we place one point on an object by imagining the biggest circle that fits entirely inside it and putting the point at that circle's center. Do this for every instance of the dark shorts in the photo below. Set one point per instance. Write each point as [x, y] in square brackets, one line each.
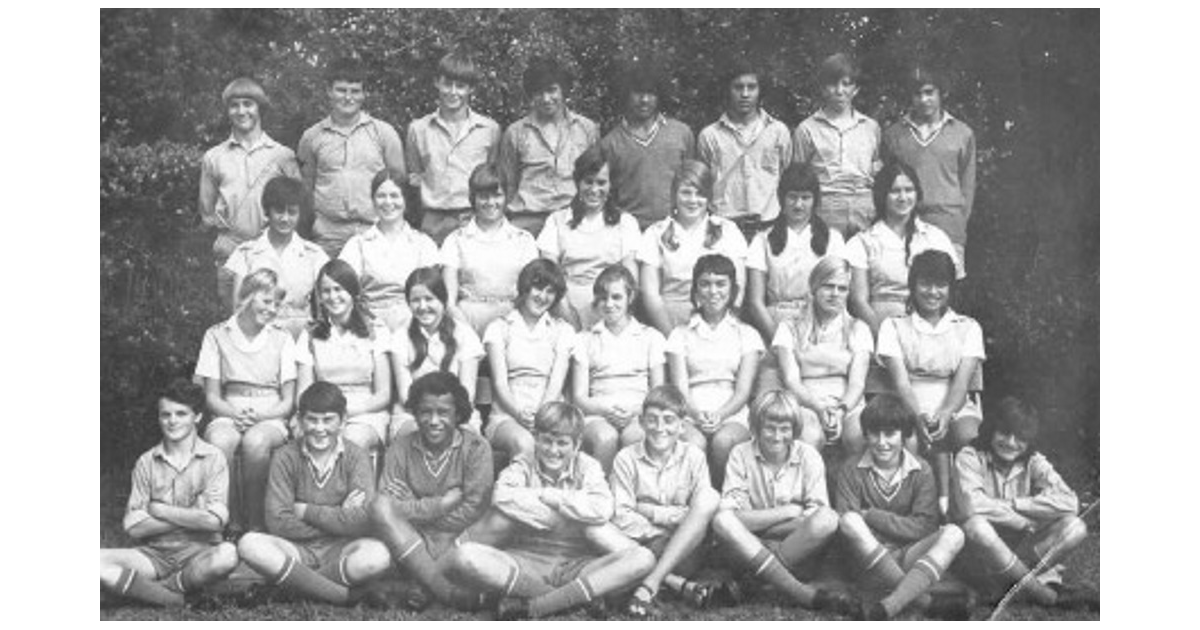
[552, 569]
[324, 555]
[169, 559]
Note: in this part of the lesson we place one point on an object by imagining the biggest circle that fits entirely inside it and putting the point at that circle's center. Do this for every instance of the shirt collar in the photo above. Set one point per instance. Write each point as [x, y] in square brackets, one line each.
[264, 141]
[948, 319]
[473, 230]
[322, 471]
[908, 462]
[764, 119]
[473, 120]
[556, 482]
[200, 449]
[363, 119]
[515, 318]
[793, 457]
[946, 119]
[639, 449]
[569, 117]
[698, 324]
[633, 328]
[856, 115]
[455, 442]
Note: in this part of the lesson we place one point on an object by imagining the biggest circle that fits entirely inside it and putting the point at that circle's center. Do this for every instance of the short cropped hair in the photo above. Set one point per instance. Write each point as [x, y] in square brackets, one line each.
[184, 392]
[835, 67]
[440, 383]
[345, 69]
[484, 179]
[260, 280]
[738, 67]
[666, 397]
[921, 75]
[931, 265]
[559, 418]
[282, 192]
[538, 273]
[615, 272]
[322, 397]
[543, 72]
[887, 412]
[693, 173]
[776, 405]
[245, 87]
[458, 66]
[717, 265]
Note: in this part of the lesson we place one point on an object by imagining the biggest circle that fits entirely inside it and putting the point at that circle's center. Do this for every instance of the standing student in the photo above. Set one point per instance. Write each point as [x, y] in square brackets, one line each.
[670, 248]
[248, 368]
[340, 154]
[444, 147]
[841, 145]
[386, 253]
[551, 503]
[774, 516]
[615, 363]
[177, 508]
[941, 149]
[318, 546]
[280, 249]
[747, 149]
[646, 149]
[538, 152]
[233, 173]
[436, 482]
[346, 346]
[588, 236]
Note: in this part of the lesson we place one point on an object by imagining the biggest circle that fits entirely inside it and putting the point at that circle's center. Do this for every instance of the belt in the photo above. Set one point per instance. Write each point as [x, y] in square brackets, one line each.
[250, 391]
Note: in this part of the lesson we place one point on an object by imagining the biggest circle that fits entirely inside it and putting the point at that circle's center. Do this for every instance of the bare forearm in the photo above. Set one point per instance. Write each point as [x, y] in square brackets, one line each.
[195, 519]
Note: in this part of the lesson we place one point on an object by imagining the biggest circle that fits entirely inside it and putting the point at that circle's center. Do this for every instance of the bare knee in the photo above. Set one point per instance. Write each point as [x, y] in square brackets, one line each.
[225, 439]
[639, 559]
[823, 523]
[951, 538]
[853, 527]
[254, 547]
[465, 559]
[371, 558]
[225, 558]
[963, 431]
[1074, 531]
[725, 524]
[258, 442]
[978, 530]
[361, 436]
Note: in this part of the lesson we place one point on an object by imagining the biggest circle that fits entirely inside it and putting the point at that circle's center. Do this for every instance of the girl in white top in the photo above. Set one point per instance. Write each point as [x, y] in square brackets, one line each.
[432, 341]
[387, 252]
[529, 352]
[616, 362]
[346, 346]
[713, 359]
[823, 357]
[932, 355]
[588, 236]
[670, 248]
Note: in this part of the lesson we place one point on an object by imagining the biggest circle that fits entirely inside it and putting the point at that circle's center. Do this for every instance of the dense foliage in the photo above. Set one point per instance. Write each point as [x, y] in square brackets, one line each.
[1027, 82]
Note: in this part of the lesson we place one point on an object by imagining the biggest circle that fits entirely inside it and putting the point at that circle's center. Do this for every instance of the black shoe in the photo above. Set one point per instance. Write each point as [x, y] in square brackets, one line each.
[949, 607]
[727, 593]
[202, 601]
[1077, 597]
[233, 532]
[872, 611]
[598, 609]
[836, 602]
[512, 609]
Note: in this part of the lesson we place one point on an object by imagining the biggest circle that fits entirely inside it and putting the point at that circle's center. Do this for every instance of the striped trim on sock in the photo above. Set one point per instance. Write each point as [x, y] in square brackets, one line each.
[762, 566]
[407, 552]
[511, 582]
[125, 580]
[288, 565]
[177, 582]
[1012, 562]
[588, 593]
[343, 577]
[875, 557]
[930, 567]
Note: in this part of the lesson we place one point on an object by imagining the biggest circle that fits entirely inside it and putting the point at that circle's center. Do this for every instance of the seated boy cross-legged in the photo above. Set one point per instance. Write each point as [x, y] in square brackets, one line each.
[177, 508]
[551, 504]
[316, 510]
[889, 517]
[436, 482]
[775, 515]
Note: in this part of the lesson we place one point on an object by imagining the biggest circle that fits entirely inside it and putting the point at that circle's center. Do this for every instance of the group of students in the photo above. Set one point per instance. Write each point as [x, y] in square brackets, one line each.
[543, 250]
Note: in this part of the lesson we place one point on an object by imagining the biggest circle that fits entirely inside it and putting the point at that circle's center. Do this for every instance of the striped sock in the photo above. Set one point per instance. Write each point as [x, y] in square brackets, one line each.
[880, 573]
[769, 568]
[924, 574]
[577, 592]
[520, 585]
[304, 581]
[1033, 589]
[132, 584]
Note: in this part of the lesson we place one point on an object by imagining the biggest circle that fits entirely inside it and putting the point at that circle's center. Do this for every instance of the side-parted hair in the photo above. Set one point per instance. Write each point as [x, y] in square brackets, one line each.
[931, 265]
[587, 165]
[440, 383]
[666, 397]
[615, 272]
[887, 412]
[259, 281]
[805, 332]
[543, 72]
[458, 66]
[430, 278]
[282, 192]
[538, 273]
[797, 178]
[697, 175]
[1009, 416]
[775, 405]
[559, 418]
[835, 67]
[484, 179]
[184, 392]
[883, 187]
[245, 87]
[343, 274]
[322, 397]
[717, 265]
[345, 69]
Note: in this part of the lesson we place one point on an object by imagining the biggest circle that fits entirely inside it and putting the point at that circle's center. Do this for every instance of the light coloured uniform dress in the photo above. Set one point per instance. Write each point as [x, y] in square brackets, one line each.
[530, 353]
[713, 355]
[932, 354]
[254, 370]
[677, 264]
[488, 264]
[383, 266]
[824, 361]
[348, 361]
[297, 267]
[618, 365]
[584, 251]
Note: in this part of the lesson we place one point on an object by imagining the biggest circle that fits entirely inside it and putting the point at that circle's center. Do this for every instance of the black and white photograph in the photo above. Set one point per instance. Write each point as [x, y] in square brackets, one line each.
[600, 314]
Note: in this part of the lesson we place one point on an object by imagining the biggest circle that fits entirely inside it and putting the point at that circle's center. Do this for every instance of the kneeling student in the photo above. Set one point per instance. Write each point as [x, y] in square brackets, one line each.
[551, 505]
[1018, 511]
[316, 509]
[889, 515]
[177, 509]
[775, 512]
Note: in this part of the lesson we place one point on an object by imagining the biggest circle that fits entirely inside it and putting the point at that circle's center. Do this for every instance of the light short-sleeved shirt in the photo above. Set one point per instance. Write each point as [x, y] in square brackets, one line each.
[530, 351]
[488, 263]
[232, 177]
[468, 348]
[440, 163]
[297, 266]
[750, 484]
[344, 359]
[845, 160]
[880, 251]
[669, 486]
[201, 483]
[618, 365]
[713, 353]
[269, 360]
[677, 264]
[829, 351]
[931, 351]
[384, 263]
[746, 162]
[539, 177]
[338, 165]
[585, 250]
[642, 169]
[787, 274]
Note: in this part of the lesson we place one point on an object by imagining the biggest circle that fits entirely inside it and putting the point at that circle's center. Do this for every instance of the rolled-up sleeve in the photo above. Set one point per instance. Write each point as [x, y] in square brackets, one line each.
[592, 504]
[624, 490]
[972, 471]
[139, 494]
[216, 487]
[1051, 496]
[518, 501]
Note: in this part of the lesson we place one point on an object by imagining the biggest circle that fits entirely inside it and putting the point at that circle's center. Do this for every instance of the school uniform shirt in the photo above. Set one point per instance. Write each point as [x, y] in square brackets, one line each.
[787, 274]
[586, 500]
[666, 488]
[880, 251]
[416, 479]
[845, 160]
[440, 163]
[618, 364]
[641, 169]
[945, 164]
[269, 360]
[899, 511]
[200, 481]
[297, 267]
[677, 264]
[750, 484]
[584, 251]
[344, 359]
[713, 353]
[488, 265]
[931, 351]
[338, 166]
[539, 177]
[1030, 489]
[468, 348]
[746, 162]
[383, 263]
[295, 477]
[232, 177]
[830, 349]
[530, 351]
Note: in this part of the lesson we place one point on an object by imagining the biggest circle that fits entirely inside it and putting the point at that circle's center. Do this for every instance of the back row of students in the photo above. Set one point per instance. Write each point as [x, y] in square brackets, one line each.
[552, 533]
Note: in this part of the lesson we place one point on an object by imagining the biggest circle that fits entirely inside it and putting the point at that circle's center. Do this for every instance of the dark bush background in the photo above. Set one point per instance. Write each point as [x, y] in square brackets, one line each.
[1026, 81]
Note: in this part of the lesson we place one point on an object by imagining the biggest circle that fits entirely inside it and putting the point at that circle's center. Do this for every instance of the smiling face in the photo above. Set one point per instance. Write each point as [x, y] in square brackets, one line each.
[840, 95]
[713, 294]
[489, 207]
[744, 92]
[177, 420]
[641, 106]
[389, 202]
[614, 303]
[243, 114]
[829, 297]
[1008, 447]
[436, 420]
[549, 102]
[931, 298]
[321, 430]
[554, 452]
[662, 427]
[453, 94]
[335, 299]
[775, 439]
[885, 447]
[593, 189]
[690, 204]
[901, 198]
[282, 221]
[426, 308]
[346, 98]
[927, 103]
[539, 301]
[263, 307]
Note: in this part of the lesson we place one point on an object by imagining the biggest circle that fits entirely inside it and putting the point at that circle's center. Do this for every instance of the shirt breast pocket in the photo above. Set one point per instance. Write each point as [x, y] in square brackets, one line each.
[770, 161]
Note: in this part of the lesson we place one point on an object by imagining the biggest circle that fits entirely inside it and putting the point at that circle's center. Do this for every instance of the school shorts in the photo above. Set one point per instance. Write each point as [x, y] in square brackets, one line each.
[554, 570]
[324, 555]
[169, 559]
